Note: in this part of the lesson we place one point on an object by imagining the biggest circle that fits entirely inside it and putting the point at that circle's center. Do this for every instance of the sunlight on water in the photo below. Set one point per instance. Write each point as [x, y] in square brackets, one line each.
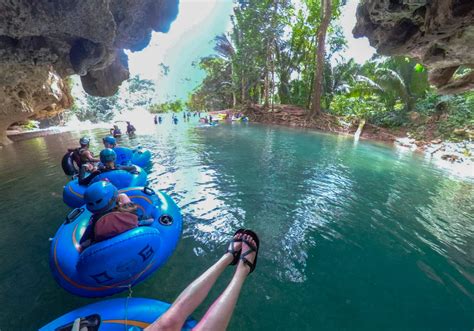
[354, 236]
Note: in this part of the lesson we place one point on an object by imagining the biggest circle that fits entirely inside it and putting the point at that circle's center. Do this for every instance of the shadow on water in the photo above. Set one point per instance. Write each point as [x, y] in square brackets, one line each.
[353, 236]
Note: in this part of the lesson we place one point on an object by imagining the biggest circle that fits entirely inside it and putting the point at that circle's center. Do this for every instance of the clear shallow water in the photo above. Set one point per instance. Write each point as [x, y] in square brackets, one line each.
[354, 237]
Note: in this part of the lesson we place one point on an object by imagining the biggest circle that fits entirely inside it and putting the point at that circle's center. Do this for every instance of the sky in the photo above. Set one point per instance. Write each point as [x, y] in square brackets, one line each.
[191, 38]
[359, 49]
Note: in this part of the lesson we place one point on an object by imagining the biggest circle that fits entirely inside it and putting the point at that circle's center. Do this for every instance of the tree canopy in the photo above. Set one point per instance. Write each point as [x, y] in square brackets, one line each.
[269, 57]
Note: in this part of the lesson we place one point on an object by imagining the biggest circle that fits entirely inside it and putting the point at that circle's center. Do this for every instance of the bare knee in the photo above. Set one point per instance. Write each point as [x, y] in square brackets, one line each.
[166, 323]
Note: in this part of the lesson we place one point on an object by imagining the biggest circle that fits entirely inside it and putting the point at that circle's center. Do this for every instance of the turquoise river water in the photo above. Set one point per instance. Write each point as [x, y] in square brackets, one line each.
[353, 237]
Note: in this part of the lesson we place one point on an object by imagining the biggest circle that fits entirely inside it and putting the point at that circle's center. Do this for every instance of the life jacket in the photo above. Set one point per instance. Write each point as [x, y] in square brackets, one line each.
[76, 156]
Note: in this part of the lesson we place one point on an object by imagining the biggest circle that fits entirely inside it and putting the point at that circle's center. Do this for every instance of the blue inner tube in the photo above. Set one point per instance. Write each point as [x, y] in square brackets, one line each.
[117, 315]
[139, 156]
[110, 266]
[73, 193]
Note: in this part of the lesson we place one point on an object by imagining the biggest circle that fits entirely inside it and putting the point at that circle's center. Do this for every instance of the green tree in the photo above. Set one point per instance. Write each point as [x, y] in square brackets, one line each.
[139, 92]
[166, 107]
[98, 109]
[216, 91]
[321, 51]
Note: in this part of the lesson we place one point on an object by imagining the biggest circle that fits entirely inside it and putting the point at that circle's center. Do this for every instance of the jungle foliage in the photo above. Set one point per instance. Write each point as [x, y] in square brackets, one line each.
[269, 57]
[135, 92]
[170, 106]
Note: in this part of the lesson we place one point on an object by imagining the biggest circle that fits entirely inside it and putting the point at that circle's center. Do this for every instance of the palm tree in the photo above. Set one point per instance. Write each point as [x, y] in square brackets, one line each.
[400, 81]
[226, 51]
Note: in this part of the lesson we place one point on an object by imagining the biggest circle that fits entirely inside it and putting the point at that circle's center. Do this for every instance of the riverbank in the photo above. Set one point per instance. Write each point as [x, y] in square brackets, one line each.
[294, 116]
[19, 135]
[456, 156]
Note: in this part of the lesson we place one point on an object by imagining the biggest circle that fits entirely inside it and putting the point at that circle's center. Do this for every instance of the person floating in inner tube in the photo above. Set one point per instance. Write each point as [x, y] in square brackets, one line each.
[83, 156]
[109, 142]
[130, 129]
[115, 131]
[112, 213]
[242, 251]
[107, 158]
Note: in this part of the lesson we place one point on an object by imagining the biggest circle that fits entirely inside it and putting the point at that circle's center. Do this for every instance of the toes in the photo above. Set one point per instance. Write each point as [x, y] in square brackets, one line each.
[249, 239]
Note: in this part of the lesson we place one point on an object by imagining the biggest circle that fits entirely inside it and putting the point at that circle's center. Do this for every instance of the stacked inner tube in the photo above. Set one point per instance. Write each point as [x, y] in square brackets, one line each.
[115, 264]
[139, 156]
[67, 164]
[73, 193]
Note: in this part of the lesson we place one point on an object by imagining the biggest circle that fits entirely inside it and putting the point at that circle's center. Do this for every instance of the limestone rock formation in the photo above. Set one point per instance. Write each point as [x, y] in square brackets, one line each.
[44, 41]
[439, 33]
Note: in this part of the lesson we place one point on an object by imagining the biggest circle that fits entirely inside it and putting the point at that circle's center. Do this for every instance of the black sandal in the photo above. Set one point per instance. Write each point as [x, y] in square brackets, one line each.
[231, 249]
[251, 250]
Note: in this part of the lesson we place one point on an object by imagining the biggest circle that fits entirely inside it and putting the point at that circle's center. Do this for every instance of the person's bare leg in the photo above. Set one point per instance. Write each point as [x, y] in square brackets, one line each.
[193, 295]
[218, 315]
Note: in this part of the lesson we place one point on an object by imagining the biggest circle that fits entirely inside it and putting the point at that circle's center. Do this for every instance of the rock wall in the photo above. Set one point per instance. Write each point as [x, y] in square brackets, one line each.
[439, 33]
[44, 41]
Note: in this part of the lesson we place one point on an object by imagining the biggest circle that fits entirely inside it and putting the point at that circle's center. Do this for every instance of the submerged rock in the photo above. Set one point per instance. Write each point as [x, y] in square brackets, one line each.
[44, 41]
[451, 157]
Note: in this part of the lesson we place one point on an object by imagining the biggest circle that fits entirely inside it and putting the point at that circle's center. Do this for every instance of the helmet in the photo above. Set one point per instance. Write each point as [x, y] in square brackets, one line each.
[100, 197]
[109, 140]
[84, 141]
[107, 155]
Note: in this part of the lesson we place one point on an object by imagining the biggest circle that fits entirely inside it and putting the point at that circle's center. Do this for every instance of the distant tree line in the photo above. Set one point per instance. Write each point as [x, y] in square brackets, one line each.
[273, 56]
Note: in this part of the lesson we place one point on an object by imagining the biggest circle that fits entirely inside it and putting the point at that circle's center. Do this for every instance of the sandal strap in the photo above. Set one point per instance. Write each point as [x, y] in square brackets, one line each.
[252, 247]
[247, 262]
[231, 249]
[235, 253]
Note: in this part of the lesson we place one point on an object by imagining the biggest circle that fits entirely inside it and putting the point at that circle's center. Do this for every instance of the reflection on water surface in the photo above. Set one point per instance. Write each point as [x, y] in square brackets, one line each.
[353, 236]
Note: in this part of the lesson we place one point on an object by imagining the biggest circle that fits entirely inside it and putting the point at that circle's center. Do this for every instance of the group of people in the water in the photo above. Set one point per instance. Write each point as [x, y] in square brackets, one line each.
[114, 213]
[207, 119]
[116, 132]
[158, 119]
[101, 198]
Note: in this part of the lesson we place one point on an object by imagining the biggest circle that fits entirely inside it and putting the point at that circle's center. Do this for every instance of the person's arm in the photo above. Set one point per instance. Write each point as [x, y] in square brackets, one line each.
[87, 180]
[91, 157]
[131, 169]
[86, 239]
[82, 173]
